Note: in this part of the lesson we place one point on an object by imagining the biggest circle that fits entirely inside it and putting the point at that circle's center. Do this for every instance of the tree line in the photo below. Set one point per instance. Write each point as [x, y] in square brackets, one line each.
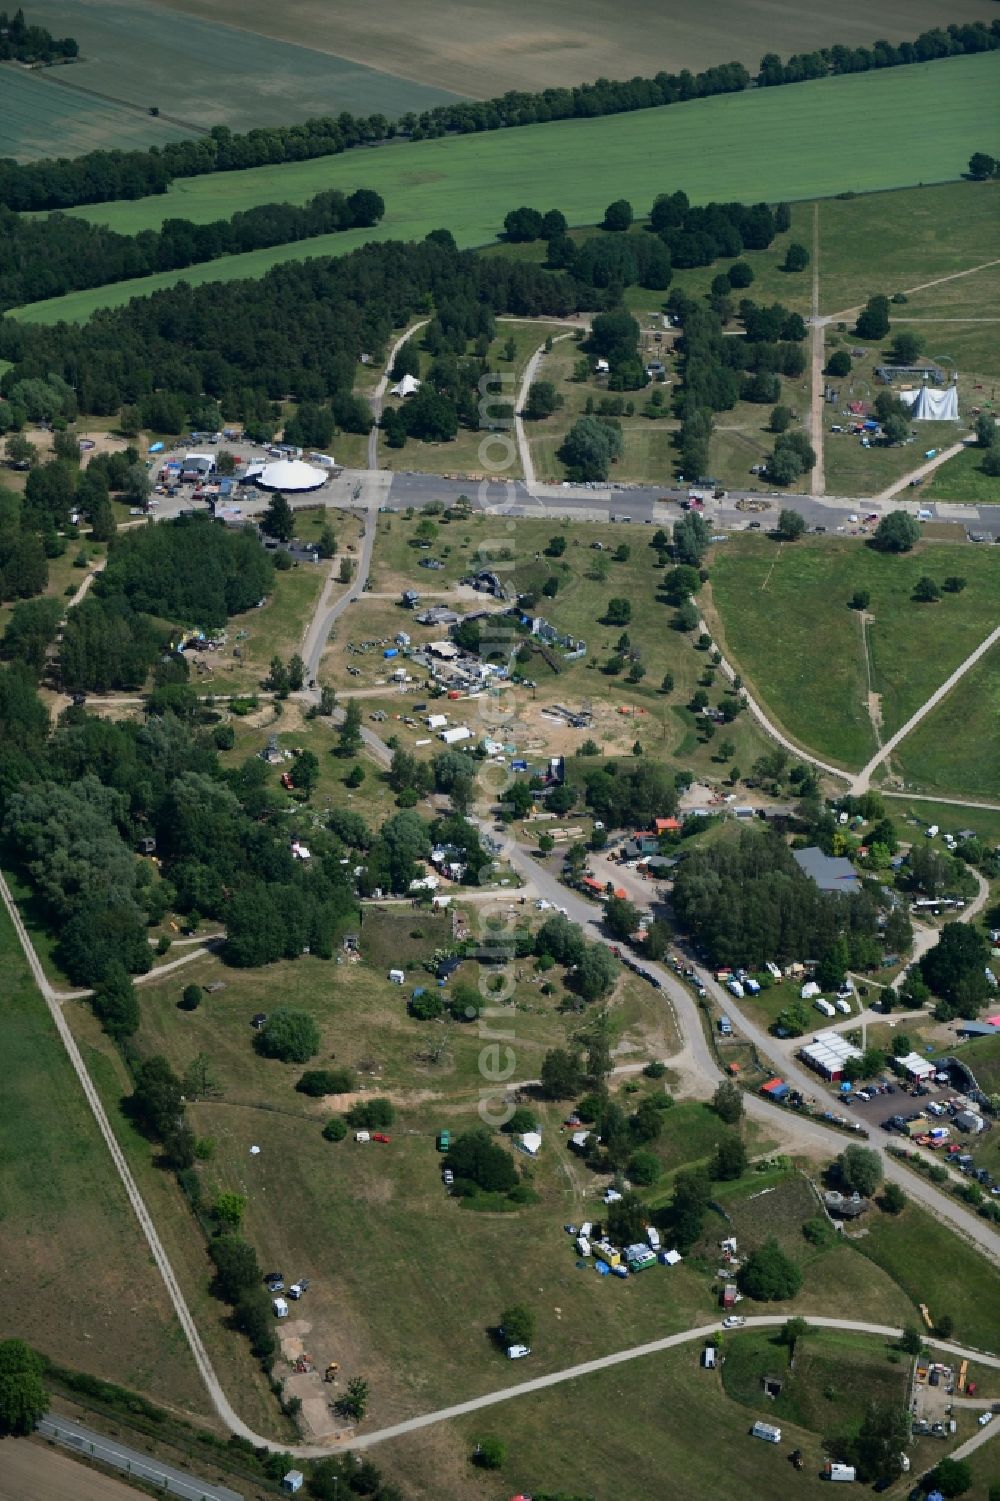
[170, 352]
[101, 176]
[21, 43]
[46, 257]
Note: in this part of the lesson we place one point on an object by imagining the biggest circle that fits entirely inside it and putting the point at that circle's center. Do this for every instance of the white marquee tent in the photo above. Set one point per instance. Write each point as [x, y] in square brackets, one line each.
[929, 405]
[291, 475]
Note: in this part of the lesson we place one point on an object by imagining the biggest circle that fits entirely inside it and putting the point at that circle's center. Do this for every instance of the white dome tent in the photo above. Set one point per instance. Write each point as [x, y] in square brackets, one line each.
[291, 475]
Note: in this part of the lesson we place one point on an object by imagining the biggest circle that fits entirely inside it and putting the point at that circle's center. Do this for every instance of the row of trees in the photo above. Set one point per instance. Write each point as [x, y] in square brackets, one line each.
[45, 257]
[104, 175]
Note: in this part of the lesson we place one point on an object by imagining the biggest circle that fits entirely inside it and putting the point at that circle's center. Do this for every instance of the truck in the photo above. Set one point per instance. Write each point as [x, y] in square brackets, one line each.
[735, 988]
[834, 1470]
[725, 1027]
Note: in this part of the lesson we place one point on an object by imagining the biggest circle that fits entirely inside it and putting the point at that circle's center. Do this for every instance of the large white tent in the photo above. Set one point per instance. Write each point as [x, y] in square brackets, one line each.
[929, 405]
[291, 475]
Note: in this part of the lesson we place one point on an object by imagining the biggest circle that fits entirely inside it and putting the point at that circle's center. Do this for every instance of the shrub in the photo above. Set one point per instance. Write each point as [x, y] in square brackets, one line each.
[335, 1129]
[321, 1081]
[375, 1113]
[191, 998]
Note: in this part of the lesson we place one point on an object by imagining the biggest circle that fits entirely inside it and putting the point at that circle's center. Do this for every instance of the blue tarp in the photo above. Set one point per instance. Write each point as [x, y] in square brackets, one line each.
[156, 447]
[602, 1269]
[392, 651]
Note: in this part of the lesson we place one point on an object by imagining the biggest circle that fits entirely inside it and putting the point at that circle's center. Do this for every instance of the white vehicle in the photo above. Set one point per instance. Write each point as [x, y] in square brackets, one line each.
[280, 1308]
[986, 1417]
[843, 1005]
[517, 1352]
[583, 1245]
[733, 1321]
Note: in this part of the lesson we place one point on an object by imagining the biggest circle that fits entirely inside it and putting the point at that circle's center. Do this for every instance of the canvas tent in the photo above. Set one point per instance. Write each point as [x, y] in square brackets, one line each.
[932, 406]
[408, 386]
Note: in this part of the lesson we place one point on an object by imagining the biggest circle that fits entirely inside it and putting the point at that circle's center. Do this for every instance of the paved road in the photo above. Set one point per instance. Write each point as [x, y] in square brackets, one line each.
[153, 1472]
[698, 1055]
[861, 782]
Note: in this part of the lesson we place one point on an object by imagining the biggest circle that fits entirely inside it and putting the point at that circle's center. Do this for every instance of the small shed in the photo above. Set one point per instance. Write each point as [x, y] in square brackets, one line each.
[293, 1481]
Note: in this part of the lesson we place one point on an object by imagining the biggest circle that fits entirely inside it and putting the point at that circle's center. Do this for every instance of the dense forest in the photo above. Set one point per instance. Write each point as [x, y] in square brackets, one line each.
[21, 43]
[76, 802]
[296, 333]
[46, 257]
[101, 176]
[745, 902]
[185, 356]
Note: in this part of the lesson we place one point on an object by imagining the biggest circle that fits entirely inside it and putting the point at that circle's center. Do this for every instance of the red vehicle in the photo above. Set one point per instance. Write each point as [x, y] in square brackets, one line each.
[286, 780]
[381, 1136]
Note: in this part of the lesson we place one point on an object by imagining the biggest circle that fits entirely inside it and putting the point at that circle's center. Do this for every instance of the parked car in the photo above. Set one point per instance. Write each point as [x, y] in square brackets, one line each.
[447, 1177]
[733, 1321]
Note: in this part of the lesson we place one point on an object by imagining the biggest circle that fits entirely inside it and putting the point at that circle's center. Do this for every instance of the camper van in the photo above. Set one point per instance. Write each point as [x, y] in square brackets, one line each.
[824, 1006]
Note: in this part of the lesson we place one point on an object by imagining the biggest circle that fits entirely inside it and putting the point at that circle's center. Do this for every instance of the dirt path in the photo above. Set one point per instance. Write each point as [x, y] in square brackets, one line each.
[818, 341]
[378, 395]
[638, 1352]
[845, 313]
[873, 699]
[523, 446]
[861, 782]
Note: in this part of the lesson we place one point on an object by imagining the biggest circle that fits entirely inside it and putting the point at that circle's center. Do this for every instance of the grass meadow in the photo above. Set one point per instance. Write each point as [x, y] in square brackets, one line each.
[956, 749]
[963, 479]
[766, 144]
[81, 1284]
[784, 618]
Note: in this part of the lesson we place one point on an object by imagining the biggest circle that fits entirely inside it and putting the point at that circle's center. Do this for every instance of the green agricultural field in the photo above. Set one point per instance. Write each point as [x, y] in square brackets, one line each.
[206, 73]
[964, 479]
[934, 1267]
[41, 114]
[532, 46]
[87, 1291]
[784, 618]
[956, 749]
[767, 144]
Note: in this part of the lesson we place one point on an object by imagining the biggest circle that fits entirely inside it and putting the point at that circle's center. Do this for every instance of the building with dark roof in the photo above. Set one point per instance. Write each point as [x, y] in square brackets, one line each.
[830, 872]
